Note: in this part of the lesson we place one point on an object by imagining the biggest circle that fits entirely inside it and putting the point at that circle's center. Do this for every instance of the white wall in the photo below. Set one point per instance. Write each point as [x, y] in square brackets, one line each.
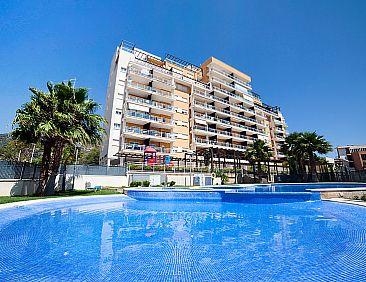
[95, 180]
[14, 187]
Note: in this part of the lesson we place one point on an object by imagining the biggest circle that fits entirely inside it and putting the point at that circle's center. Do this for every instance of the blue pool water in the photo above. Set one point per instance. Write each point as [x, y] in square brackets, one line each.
[116, 238]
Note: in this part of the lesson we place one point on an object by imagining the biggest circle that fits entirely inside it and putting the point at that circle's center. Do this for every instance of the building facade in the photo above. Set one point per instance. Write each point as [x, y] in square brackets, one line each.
[355, 155]
[181, 109]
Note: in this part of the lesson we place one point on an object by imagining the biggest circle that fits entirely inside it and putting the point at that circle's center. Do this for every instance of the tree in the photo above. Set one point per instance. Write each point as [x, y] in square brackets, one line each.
[300, 147]
[257, 153]
[63, 115]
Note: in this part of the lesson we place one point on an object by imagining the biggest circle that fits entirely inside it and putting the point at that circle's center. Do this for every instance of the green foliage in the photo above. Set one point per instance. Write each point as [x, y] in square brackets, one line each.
[221, 173]
[258, 152]
[301, 147]
[146, 183]
[356, 198]
[63, 115]
[135, 183]
[171, 183]
[363, 197]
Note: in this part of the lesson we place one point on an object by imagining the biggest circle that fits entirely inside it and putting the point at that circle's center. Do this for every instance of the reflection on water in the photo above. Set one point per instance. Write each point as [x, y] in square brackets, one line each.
[160, 241]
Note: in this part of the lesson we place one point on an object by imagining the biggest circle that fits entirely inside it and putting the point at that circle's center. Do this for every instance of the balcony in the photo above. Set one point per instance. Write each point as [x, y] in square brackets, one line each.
[212, 131]
[158, 94]
[218, 144]
[143, 118]
[237, 97]
[229, 113]
[154, 135]
[223, 101]
[159, 107]
[230, 77]
[137, 148]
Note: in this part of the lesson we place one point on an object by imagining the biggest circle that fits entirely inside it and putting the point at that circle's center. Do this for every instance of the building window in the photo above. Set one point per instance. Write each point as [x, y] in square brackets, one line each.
[117, 126]
[123, 69]
[118, 113]
[182, 88]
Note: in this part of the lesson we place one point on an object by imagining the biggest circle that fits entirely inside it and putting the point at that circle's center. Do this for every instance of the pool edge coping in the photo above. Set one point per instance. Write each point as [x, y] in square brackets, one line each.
[30, 202]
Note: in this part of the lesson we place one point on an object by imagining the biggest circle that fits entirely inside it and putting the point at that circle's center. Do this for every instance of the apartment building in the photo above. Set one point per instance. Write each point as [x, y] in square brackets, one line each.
[172, 107]
[355, 155]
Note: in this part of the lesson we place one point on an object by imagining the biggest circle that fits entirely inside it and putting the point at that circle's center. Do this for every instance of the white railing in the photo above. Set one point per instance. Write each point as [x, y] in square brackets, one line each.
[155, 133]
[204, 116]
[222, 144]
[240, 98]
[146, 116]
[207, 129]
[150, 89]
[150, 103]
[141, 148]
[237, 80]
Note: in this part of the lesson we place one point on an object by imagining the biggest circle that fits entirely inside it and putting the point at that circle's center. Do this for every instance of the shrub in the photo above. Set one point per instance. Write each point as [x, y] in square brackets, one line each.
[135, 184]
[355, 198]
[162, 183]
[363, 197]
[146, 183]
[171, 183]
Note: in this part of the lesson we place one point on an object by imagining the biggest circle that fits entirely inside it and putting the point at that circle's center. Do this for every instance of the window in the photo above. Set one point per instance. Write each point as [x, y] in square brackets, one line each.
[118, 113]
[117, 126]
[123, 69]
[182, 88]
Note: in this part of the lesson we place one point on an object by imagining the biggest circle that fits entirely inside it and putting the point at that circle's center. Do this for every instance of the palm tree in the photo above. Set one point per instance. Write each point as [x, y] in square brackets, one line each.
[300, 147]
[63, 115]
[258, 152]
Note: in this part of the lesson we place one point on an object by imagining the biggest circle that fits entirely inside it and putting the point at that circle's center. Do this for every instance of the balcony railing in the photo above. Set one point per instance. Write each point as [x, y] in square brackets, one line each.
[207, 129]
[233, 95]
[206, 95]
[150, 103]
[141, 148]
[237, 80]
[155, 133]
[204, 116]
[222, 144]
[150, 89]
[149, 117]
[207, 106]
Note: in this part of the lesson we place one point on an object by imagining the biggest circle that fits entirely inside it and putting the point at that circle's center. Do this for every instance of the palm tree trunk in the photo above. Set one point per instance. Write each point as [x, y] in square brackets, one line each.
[312, 162]
[45, 168]
[55, 165]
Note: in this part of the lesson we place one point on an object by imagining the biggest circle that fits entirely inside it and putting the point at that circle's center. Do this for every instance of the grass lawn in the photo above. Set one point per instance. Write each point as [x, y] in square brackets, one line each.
[9, 199]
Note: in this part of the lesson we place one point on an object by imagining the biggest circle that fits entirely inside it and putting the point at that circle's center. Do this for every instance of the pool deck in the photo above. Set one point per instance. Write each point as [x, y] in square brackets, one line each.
[347, 201]
[46, 200]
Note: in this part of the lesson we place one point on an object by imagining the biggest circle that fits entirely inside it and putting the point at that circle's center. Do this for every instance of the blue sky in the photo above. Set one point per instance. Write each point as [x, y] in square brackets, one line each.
[308, 57]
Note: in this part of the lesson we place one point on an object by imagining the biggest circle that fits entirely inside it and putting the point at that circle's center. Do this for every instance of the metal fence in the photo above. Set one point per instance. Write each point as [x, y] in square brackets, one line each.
[96, 170]
[344, 176]
[14, 170]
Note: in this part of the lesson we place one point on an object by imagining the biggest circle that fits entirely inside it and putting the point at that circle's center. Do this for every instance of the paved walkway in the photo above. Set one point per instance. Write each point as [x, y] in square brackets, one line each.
[347, 201]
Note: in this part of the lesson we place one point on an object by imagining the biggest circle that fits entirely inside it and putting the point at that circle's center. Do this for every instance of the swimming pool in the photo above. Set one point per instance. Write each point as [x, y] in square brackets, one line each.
[115, 238]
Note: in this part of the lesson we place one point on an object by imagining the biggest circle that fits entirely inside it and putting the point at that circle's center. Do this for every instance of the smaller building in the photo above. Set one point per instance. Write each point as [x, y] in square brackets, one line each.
[354, 154]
